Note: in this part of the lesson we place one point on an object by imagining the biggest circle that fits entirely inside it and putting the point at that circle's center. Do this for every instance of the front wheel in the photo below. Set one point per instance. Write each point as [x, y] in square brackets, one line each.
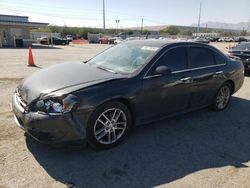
[222, 97]
[108, 125]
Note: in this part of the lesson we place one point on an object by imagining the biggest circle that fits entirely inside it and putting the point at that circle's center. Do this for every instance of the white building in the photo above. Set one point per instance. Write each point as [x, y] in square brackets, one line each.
[15, 30]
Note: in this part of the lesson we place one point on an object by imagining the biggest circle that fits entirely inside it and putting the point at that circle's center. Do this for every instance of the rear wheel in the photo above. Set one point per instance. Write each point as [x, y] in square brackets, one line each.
[108, 125]
[222, 97]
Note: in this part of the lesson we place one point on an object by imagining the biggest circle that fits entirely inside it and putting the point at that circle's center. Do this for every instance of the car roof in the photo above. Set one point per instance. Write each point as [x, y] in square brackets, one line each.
[159, 43]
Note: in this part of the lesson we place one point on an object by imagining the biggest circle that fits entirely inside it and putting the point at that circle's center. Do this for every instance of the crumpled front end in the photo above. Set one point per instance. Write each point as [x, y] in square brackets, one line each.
[48, 127]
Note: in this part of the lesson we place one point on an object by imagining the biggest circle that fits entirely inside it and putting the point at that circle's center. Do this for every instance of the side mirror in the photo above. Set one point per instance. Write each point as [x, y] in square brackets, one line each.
[163, 70]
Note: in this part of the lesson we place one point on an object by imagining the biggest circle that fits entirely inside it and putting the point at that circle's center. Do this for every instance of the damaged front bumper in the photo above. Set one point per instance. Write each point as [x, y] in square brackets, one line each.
[49, 127]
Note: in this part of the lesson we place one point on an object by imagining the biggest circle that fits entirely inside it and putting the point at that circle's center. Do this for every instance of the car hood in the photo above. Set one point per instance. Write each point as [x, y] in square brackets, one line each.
[65, 77]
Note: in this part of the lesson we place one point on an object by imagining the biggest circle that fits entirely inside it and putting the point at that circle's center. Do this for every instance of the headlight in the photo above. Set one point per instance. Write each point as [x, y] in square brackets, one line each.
[58, 105]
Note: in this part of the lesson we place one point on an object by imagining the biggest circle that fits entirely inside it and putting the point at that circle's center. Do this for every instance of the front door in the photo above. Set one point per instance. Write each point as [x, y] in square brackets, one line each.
[167, 94]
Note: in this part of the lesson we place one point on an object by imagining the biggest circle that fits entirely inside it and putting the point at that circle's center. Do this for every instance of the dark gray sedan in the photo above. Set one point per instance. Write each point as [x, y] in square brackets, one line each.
[129, 84]
[242, 51]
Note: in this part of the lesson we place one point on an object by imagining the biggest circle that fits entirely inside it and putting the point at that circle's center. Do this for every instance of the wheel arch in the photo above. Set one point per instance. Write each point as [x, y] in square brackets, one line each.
[125, 102]
[231, 82]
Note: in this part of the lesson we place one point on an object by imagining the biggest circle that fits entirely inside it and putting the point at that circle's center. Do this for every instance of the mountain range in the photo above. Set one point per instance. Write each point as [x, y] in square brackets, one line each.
[231, 26]
[214, 25]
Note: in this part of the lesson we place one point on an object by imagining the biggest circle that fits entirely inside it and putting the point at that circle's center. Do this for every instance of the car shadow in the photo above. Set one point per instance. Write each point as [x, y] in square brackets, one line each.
[157, 153]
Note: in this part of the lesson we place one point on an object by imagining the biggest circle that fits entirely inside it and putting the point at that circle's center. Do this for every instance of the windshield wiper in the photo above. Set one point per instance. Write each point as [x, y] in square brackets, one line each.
[108, 70]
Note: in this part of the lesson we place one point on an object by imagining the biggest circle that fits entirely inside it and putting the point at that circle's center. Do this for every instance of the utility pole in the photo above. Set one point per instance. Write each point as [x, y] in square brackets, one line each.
[199, 20]
[141, 26]
[117, 25]
[104, 16]
[249, 24]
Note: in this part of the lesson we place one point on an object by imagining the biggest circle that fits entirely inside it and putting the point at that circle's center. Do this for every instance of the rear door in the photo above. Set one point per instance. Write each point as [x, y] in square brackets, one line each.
[206, 69]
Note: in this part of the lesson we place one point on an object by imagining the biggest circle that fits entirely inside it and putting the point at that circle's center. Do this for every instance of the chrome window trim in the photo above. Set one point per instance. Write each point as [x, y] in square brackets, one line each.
[205, 67]
[153, 76]
[175, 72]
[187, 45]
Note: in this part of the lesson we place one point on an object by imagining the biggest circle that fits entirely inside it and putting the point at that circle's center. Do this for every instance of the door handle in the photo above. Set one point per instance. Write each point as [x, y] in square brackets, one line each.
[219, 72]
[185, 79]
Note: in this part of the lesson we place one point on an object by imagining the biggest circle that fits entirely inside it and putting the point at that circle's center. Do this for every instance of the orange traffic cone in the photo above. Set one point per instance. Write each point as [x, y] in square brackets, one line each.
[31, 60]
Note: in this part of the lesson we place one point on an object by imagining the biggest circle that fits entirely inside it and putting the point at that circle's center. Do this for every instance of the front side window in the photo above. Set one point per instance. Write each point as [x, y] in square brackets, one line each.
[175, 59]
[200, 57]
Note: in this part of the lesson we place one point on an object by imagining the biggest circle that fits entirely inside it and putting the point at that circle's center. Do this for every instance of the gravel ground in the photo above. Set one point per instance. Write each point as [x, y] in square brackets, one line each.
[199, 149]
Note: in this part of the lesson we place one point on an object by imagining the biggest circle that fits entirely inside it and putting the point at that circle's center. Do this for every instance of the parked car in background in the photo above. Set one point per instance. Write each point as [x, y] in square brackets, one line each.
[212, 39]
[56, 41]
[129, 84]
[118, 40]
[241, 39]
[222, 39]
[242, 51]
[111, 40]
[228, 39]
[106, 40]
[201, 40]
[69, 38]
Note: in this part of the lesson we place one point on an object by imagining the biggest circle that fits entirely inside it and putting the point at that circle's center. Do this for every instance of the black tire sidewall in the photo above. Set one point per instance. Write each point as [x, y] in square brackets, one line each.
[91, 123]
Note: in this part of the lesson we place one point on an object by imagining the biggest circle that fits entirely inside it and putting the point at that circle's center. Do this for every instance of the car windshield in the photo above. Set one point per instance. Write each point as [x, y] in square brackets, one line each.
[123, 58]
[242, 47]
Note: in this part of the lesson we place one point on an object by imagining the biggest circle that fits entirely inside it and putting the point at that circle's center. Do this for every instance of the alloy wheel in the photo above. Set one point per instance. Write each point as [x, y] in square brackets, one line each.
[223, 97]
[110, 126]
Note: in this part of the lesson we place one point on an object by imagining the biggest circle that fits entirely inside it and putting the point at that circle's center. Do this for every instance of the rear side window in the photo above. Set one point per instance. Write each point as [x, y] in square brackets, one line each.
[175, 59]
[219, 59]
[200, 57]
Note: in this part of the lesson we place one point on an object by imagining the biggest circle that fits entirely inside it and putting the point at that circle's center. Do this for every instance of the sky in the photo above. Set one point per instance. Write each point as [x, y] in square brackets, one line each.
[88, 13]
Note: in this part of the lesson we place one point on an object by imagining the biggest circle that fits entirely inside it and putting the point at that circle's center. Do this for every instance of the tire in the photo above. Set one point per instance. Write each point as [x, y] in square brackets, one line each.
[222, 98]
[108, 125]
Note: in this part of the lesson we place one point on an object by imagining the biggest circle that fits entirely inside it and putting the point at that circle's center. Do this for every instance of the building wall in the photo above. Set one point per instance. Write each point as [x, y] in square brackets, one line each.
[8, 33]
